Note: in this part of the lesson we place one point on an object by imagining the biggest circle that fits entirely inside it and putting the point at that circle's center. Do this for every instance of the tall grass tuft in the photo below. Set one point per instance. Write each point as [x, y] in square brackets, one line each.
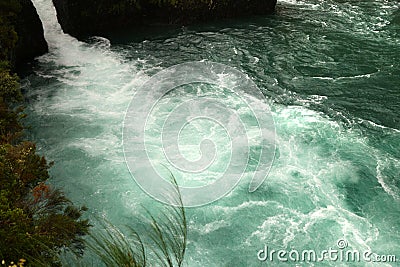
[114, 249]
[169, 233]
[163, 245]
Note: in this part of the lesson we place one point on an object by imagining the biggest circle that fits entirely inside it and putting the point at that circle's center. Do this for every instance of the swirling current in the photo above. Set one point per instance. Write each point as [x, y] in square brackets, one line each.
[330, 71]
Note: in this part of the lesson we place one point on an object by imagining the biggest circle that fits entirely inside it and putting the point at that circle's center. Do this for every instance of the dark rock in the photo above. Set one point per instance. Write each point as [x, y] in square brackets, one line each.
[31, 42]
[88, 18]
[83, 18]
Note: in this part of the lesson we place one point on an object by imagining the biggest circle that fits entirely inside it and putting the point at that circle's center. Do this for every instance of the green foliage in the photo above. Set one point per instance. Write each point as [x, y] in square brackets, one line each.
[10, 128]
[36, 220]
[9, 86]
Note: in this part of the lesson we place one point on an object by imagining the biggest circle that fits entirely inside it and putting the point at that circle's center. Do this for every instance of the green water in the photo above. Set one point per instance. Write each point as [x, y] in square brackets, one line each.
[330, 70]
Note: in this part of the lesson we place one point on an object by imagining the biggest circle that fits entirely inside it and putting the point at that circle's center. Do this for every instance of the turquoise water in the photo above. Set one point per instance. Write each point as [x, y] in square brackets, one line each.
[331, 73]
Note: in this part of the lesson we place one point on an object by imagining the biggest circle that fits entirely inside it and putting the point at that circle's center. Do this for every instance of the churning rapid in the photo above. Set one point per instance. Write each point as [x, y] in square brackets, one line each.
[331, 72]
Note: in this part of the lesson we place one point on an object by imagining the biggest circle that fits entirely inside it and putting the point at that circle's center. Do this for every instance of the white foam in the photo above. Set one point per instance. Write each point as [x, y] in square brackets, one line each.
[392, 191]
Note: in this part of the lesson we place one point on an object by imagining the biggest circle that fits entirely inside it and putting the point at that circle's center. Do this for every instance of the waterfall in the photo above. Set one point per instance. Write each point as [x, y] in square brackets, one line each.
[54, 35]
[65, 49]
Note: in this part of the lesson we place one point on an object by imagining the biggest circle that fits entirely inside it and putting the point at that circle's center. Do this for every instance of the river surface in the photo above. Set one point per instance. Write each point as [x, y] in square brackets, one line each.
[331, 73]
